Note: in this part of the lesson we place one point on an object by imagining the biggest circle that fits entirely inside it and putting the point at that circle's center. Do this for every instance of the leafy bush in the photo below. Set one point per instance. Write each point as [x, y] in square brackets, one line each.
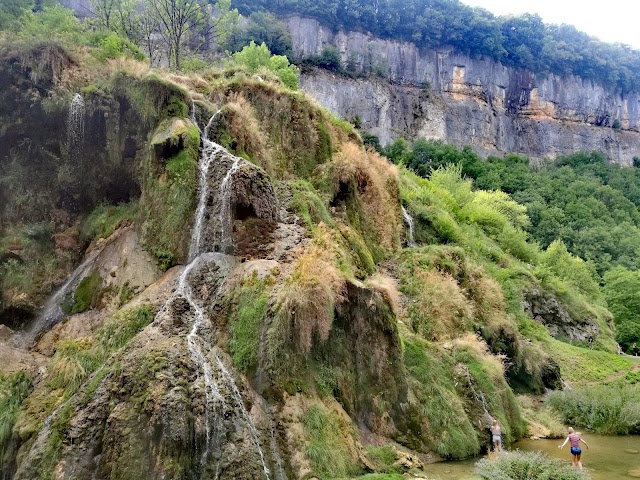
[52, 23]
[527, 466]
[329, 59]
[254, 57]
[112, 45]
[606, 409]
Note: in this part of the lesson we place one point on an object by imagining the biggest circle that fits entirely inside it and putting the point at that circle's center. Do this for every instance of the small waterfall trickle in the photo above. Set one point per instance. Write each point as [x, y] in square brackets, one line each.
[409, 221]
[75, 125]
[52, 312]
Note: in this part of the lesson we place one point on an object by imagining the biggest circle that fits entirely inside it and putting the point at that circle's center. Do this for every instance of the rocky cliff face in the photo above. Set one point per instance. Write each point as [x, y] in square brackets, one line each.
[442, 94]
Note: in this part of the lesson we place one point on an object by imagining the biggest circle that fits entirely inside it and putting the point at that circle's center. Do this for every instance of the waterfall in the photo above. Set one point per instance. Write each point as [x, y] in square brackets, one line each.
[51, 312]
[199, 347]
[409, 221]
[209, 152]
[75, 125]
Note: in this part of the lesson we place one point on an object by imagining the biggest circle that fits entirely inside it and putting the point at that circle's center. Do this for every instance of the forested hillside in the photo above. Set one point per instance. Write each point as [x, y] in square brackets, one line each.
[517, 41]
[580, 203]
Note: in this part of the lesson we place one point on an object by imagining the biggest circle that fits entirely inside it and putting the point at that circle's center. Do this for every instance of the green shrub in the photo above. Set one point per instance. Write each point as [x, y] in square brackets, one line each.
[527, 466]
[111, 45]
[607, 409]
[329, 59]
[255, 57]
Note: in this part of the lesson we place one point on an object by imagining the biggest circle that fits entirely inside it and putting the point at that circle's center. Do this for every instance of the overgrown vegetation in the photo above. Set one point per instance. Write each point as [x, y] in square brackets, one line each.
[75, 360]
[527, 466]
[14, 388]
[612, 409]
[583, 210]
[327, 447]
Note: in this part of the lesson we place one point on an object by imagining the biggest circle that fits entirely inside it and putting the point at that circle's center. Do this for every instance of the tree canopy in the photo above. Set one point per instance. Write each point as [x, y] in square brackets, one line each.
[522, 41]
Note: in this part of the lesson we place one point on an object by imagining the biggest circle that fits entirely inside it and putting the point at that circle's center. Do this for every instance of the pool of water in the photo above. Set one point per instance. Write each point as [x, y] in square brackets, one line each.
[608, 458]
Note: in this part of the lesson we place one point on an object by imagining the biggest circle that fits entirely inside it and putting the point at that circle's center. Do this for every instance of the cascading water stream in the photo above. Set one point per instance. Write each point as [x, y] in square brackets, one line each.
[195, 342]
[409, 221]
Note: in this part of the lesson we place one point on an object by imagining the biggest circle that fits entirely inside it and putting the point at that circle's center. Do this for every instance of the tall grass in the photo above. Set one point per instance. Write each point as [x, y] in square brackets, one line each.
[327, 448]
[607, 409]
[75, 360]
[13, 390]
[106, 219]
[449, 432]
[527, 466]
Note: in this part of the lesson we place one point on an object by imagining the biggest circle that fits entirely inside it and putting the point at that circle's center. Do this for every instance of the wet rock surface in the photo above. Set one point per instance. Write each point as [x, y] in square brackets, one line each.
[548, 310]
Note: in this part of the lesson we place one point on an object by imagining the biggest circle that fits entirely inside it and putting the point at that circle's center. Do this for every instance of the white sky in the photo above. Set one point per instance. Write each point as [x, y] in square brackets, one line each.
[609, 20]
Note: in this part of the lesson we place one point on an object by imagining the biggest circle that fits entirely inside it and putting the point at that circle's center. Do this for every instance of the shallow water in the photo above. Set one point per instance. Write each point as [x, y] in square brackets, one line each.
[608, 458]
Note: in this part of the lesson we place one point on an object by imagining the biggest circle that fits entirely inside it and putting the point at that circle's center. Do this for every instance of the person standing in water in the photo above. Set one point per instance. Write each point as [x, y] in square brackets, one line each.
[496, 436]
[574, 439]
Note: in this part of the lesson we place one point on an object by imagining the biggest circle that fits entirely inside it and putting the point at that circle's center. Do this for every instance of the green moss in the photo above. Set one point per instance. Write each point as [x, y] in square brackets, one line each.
[170, 189]
[246, 322]
[360, 253]
[326, 448]
[88, 293]
[500, 400]
[450, 432]
[306, 202]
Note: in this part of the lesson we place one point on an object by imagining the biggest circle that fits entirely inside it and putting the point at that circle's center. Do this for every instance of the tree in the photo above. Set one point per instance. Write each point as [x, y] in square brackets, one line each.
[621, 292]
[182, 20]
[263, 27]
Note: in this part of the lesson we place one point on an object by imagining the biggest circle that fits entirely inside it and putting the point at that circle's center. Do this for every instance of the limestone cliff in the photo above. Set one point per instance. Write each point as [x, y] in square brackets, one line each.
[442, 94]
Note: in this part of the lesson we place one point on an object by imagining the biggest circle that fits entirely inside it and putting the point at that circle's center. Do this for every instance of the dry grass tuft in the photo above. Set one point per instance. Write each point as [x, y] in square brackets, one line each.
[247, 132]
[128, 66]
[375, 181]
[388, 288]
[475, 345]
[307, 302]
[441, 310]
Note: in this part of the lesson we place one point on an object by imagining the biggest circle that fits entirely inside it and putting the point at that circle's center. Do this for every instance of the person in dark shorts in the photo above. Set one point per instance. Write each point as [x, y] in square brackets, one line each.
[634, 349]
[574, 440]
